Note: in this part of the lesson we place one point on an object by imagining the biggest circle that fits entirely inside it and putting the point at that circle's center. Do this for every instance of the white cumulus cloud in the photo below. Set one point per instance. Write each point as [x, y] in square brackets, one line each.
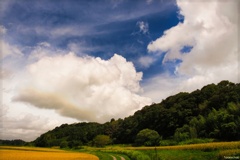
[84, 88]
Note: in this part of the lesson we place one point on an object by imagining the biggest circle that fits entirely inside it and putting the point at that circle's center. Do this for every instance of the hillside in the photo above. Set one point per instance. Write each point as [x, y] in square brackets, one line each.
[212, 112]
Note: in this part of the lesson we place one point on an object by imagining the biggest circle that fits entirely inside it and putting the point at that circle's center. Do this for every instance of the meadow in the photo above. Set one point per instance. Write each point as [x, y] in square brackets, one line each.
[205, 151]
[33, 153]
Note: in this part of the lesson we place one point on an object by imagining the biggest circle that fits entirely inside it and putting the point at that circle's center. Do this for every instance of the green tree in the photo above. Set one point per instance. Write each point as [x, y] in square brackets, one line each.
[64, 144]
[74, 144]
[147, 137]
[182, 133]
[101, 140]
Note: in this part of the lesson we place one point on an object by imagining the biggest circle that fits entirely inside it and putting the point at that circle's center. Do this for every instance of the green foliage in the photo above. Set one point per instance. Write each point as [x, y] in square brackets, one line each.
[147, 137]
[75, 134]
[182, 134]
[101, 140]
[16, 142]
[196, 141]
[168, 142]
[75, 144]
[64, 144]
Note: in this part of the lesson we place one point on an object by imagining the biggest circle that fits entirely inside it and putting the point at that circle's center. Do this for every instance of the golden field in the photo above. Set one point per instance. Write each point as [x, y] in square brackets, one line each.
[203, 146]
[29, 153]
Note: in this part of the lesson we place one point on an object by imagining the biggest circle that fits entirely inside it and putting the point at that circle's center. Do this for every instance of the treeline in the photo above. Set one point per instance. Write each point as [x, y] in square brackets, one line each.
[16, 142]
[212, 112]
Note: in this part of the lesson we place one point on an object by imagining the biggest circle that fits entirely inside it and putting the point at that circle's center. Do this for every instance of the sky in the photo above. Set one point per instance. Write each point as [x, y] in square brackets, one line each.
[70, 61]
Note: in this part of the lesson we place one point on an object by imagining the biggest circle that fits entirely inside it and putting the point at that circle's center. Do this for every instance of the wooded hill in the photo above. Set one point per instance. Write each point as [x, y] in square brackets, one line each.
[212, 112]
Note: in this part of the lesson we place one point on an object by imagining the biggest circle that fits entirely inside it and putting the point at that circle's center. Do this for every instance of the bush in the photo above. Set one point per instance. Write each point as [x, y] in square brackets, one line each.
[167, 143]
[147, 137]
[101, 140]
[196, 141]
[75, 144]
[64, 144]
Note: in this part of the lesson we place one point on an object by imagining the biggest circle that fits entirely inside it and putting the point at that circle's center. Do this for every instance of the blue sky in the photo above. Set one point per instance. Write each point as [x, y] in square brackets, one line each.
[66, 61]
[102, 28]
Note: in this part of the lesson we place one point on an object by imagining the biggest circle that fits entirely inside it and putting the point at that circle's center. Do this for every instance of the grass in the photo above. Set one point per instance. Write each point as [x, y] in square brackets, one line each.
[204, 151]
[232, 154]
[132, 154]
[181, 155]
[203, 146]
[104, 153]
[124, 156]
[118, 156]
[170, 142]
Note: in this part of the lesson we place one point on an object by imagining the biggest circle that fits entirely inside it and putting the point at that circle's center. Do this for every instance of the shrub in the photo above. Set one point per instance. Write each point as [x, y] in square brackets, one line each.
[167, 143]
[64, 144]
[101, 140]
[147, 137]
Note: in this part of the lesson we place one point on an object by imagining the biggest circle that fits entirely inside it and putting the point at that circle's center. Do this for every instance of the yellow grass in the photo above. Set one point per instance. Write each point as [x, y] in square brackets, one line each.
[229, 154]
[203, 146]
[28, 153]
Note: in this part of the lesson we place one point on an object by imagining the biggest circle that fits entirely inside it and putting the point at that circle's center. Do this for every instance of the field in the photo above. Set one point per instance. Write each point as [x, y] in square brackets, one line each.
[32, 153]
[206, 151]
[203, 146]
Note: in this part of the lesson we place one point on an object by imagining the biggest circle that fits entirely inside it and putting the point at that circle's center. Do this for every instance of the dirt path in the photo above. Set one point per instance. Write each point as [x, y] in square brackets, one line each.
[114, 158]
[122, 158]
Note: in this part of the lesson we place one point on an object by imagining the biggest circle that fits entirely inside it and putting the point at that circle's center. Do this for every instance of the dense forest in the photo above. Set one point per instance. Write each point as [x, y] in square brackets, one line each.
[211, 112]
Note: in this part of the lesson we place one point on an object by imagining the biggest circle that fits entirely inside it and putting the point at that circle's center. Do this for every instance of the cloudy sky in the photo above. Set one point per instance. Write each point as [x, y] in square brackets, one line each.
[66, 61]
